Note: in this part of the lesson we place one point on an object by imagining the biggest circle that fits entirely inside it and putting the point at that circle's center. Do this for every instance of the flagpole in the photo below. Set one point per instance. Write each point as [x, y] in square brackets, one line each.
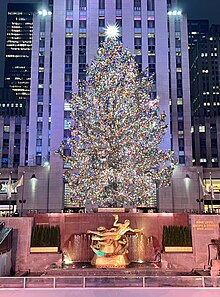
[22, 196]
[10, 179]
[211, 190]
[199, 194]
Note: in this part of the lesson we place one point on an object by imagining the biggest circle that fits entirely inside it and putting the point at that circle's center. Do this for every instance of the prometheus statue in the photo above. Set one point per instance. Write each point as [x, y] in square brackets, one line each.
[111, 245]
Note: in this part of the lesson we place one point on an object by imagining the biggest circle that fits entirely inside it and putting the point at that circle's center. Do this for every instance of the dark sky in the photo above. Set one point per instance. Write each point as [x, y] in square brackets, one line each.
[202, 9]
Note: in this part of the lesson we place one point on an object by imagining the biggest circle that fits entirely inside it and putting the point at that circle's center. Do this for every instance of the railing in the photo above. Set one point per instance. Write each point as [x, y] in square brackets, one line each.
[108, 281]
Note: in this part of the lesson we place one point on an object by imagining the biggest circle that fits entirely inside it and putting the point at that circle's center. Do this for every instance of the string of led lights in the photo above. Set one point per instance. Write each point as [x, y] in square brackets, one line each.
[115, 156]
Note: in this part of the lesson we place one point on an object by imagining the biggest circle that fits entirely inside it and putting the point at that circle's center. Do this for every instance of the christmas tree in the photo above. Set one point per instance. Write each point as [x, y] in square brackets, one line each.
[116, 133]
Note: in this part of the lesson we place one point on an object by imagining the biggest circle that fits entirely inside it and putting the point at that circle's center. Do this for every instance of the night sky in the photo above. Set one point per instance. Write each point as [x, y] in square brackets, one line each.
[202, 9]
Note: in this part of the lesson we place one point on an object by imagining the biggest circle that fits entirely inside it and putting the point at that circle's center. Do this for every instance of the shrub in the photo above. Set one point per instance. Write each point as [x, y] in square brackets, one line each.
[177, 236]
[45, 236]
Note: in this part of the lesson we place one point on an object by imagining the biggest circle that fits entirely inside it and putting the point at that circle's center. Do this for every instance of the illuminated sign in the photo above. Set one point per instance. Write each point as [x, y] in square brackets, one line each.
[215, 183]
[6, 207]
[205, 225]
[3, 187]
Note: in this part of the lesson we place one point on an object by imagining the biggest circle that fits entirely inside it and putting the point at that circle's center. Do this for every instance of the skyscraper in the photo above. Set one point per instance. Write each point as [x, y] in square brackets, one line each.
[15, 74]
[197, 30]
[66, 35]
[204, 60]
[18, 49]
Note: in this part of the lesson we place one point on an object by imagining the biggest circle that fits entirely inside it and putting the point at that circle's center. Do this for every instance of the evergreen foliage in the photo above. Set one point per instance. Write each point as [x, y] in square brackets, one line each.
[45, 236]
[116, 132]
[177, 236]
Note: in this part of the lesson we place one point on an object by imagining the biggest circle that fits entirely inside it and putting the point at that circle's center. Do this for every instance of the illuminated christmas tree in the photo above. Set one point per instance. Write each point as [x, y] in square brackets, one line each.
[116, 133]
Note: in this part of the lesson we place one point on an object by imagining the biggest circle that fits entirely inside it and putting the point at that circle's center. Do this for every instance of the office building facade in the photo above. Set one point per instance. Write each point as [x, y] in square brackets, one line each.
[15, 74]
[197, 30]
[66, 35]
[18, 49]
[13, 130]
[204, 71]
[15, 51]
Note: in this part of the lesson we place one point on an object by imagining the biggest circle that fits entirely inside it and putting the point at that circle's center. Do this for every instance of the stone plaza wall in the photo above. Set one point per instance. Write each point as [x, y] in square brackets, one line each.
[22, 259]
[204, 228]
[152, 223]
[22, 228]
[79, 224]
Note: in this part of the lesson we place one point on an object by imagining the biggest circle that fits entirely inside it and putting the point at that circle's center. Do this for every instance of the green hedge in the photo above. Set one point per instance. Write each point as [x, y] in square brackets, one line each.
[177, 236]
[45, 236]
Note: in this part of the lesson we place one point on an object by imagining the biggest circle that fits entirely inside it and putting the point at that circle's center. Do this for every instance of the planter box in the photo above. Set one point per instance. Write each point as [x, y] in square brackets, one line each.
[178, 249]
[44, 249]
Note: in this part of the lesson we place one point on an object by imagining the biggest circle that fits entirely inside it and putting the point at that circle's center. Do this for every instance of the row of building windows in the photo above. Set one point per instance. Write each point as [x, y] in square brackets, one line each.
[211, 54]
[118, 3]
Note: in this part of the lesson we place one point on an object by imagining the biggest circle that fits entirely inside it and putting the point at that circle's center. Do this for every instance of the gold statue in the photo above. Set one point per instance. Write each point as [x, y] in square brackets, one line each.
[111, 246]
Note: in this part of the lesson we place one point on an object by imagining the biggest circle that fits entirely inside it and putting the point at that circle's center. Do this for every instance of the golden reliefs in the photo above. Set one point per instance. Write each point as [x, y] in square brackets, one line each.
[111, 245]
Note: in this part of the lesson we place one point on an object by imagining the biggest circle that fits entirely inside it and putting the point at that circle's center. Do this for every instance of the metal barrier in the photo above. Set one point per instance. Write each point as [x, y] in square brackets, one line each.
[108, 281]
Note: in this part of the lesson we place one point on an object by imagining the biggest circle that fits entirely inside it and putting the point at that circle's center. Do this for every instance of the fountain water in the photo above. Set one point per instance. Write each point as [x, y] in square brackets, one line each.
[77, 248]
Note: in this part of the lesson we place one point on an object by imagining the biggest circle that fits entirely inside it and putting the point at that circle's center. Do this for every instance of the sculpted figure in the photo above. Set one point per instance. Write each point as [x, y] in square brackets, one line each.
[111, 243]
[113, 233]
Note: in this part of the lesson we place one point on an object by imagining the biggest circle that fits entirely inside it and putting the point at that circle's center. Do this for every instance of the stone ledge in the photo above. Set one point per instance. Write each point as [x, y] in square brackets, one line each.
[47, 249]
[178, 249]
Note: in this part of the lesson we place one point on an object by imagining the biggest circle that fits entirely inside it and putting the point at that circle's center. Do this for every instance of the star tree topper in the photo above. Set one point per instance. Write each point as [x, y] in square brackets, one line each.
[112, 31]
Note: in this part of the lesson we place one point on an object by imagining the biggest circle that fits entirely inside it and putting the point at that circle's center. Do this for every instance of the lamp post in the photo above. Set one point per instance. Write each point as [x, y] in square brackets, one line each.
[199, 200]
[22, 201]
[33, 189]
[172, 193]
[48, 186]
[47, 166]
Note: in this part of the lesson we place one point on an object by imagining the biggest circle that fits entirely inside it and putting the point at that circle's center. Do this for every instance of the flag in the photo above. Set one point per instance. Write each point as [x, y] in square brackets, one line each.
[19, 182]
[211, 187]
[204, 191]
[9, 187]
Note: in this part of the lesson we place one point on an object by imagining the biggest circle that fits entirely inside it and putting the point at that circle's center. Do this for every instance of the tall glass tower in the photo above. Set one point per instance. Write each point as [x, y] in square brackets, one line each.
[18, 49]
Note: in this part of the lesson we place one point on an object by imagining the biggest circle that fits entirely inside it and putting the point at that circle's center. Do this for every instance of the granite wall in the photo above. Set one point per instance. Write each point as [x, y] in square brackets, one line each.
[204, 228]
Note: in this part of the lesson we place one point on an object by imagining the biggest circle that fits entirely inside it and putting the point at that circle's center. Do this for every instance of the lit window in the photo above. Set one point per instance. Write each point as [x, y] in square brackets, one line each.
[6, 128]
[67, 106]
[203, 160]
[179, 101]
[214, 160]
[67, 124]
[201, 128]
